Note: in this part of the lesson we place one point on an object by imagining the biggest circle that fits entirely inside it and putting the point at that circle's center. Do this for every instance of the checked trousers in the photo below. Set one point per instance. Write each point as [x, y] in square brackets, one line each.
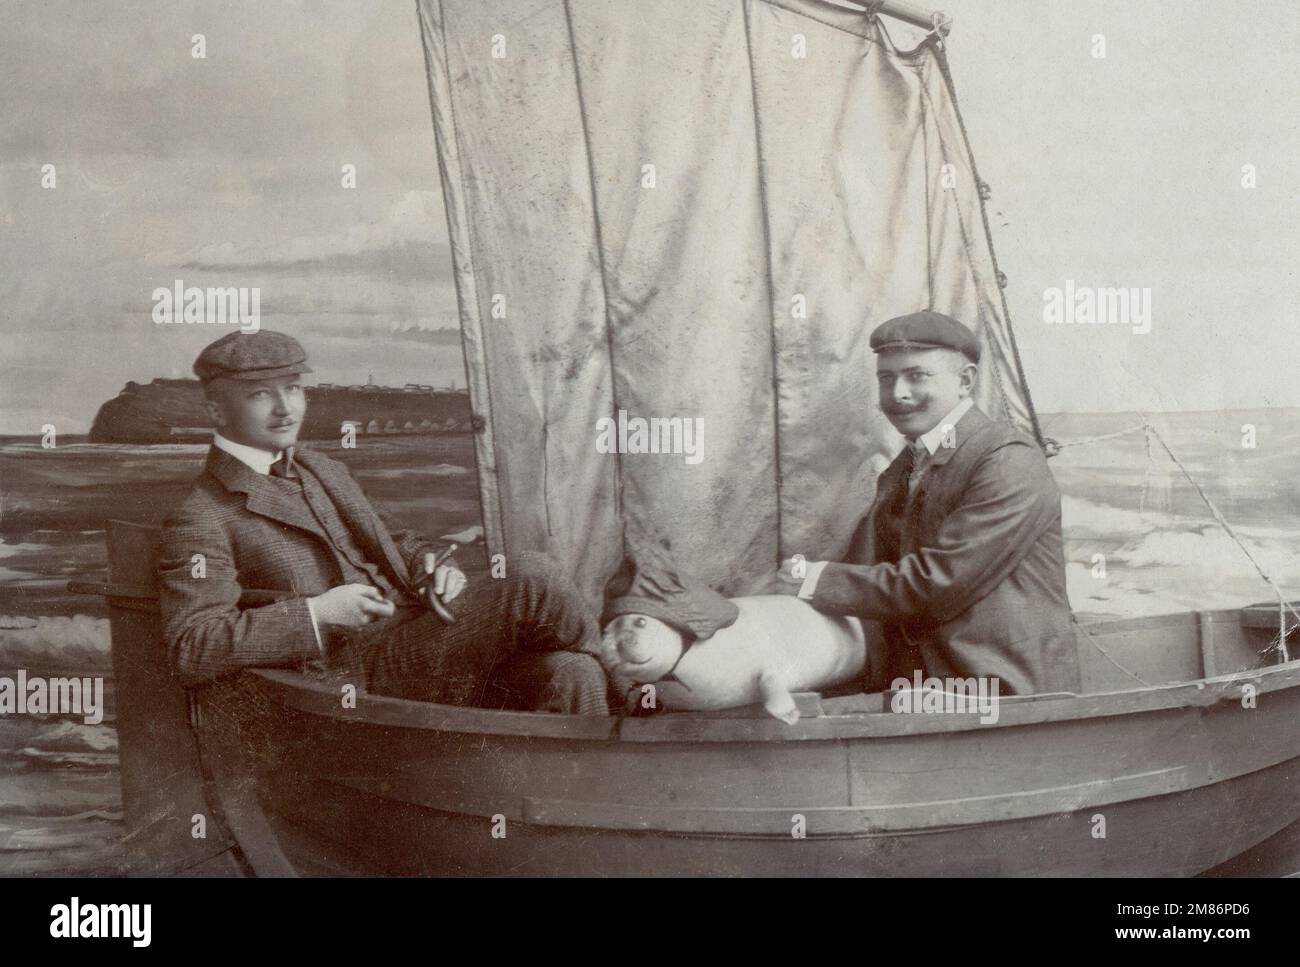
[523, 642]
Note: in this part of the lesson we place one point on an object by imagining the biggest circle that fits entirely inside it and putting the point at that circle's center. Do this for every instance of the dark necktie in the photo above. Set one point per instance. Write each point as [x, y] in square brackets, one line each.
[919, 458]
[283, 467]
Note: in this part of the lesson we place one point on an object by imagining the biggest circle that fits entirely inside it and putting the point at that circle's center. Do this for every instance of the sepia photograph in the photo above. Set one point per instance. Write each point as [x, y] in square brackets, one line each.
[650, 439]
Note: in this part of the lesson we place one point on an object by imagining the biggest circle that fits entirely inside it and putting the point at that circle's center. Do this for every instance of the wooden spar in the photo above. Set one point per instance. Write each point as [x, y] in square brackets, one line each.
[917, 16]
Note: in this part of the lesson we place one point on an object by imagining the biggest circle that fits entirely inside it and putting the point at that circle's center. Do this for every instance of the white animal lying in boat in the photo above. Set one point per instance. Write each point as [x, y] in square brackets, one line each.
[778, 645]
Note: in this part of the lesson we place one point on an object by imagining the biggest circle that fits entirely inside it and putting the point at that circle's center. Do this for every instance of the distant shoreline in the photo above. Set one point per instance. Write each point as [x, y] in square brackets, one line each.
[1043, 417]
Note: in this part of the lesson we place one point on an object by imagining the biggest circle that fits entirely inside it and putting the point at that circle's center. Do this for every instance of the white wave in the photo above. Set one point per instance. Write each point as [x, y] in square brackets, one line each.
[9, 550]
[1081, 517]
[1184, 570]
[1212, 552]
[62, 641]
[87, 760]
[74, 737]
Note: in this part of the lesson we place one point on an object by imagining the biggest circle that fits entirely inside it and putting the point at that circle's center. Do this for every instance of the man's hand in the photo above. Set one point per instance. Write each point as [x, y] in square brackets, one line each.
[446, 584]
[789, 577]
[351, 606]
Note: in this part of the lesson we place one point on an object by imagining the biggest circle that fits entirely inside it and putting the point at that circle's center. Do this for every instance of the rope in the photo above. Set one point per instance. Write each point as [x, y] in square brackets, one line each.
[1105, 654]
[937, 23]
[977, 278]
[1152, 433]
[1104, 436]
[935, 38]
[1283, 605]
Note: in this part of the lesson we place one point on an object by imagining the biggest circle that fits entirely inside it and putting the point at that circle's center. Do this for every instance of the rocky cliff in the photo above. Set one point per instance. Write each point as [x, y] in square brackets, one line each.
[172, 411]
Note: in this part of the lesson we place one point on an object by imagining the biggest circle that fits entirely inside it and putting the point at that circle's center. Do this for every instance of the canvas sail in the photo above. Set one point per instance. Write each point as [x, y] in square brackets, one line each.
[696, 210]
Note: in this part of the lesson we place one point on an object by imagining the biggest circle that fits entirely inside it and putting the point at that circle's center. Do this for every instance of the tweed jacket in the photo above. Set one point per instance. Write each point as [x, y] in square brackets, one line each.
[967, 573]
[235, 531]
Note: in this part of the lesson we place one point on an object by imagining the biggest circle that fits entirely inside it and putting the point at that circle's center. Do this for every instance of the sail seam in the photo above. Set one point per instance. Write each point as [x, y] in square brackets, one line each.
[771, 278]
[929, 209]
[604, 274]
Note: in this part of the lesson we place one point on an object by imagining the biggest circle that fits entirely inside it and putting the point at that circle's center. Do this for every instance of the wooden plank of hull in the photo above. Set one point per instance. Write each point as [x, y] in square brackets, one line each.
[1176, 835]
[848, 820]
[322, 701]
[1063, 772]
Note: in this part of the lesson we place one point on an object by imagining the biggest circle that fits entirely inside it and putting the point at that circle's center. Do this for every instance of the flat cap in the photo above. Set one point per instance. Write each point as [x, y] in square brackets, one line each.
[926, 330]
[251, 355]
[649, 582]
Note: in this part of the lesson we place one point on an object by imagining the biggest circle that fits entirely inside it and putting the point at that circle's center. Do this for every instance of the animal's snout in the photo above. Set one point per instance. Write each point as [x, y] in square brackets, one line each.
[637, 647]
[633, 647]
[631, 638]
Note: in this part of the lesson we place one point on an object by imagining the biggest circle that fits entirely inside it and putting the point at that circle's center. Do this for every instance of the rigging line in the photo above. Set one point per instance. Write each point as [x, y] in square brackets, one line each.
[1151, 432]
[604, 274]
[935, 40]
[1248, 674]
[771, 278]
[1105, 654]
[1105, 436]
[1283, 604]
[1278, 643]
[976, 278]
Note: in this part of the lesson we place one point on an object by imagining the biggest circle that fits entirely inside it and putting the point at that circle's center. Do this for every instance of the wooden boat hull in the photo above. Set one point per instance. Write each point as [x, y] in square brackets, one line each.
[1183, 757]
[1168, 791]
[1160, 836]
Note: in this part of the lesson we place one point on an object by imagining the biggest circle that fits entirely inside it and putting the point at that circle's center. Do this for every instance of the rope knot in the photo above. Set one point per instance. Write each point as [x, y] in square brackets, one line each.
[939, 25]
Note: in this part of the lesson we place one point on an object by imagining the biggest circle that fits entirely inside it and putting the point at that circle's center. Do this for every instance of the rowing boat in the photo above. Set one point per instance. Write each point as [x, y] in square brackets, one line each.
[1181, 756]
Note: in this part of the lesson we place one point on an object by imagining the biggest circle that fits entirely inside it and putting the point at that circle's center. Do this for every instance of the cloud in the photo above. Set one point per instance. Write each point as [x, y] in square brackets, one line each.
[411, 236]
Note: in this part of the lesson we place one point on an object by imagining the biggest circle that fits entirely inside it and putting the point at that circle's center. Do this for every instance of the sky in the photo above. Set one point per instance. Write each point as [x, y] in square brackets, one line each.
[1122, 171]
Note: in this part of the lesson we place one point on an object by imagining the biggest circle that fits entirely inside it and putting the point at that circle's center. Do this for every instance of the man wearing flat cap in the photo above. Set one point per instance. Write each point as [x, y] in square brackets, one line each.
[348, 593]
[960, 554]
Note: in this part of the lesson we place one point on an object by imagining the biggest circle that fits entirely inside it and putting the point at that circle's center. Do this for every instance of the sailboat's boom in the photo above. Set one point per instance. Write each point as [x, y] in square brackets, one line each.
[917, 16]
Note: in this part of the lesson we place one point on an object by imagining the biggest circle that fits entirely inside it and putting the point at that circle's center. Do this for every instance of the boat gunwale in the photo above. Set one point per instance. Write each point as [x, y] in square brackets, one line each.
[321, 699]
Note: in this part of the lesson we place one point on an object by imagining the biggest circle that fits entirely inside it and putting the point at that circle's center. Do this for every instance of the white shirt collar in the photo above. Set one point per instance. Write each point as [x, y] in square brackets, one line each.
[934, 438]
[259, 461]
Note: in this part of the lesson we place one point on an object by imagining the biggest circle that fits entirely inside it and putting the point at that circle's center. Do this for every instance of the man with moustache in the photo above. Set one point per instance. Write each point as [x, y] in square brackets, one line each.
[960, 554]
[350, 595]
